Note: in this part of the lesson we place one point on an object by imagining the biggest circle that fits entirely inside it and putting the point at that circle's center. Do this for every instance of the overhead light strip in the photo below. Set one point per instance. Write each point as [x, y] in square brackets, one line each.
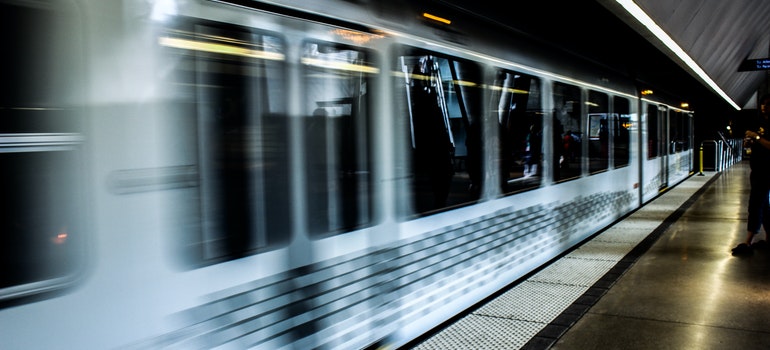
[436, 18]
[645, 20]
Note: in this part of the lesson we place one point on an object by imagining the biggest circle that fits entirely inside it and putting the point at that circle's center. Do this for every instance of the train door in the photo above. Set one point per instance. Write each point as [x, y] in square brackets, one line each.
[654, 165]
[621, 126]
[234, 95]
[337, 90]
[519, 116]
[690, 123]
[568, 132]
[679, 145]
[666, 151]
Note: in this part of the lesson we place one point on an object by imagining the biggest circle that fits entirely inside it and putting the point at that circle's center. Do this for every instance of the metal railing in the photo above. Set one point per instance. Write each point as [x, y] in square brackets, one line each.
[718, 155]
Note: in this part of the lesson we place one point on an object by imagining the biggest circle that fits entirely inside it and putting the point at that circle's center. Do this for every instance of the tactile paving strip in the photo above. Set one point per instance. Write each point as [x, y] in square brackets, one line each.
[497, 333]
[604, 250]
[636, 222]
[532, 301]
[574, 272]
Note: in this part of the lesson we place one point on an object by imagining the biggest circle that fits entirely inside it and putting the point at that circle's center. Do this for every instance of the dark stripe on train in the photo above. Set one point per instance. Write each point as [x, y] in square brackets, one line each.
[309, 16]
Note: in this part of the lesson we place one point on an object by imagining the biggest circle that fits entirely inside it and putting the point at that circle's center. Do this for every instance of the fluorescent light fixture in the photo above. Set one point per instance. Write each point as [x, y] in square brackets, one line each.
[644, 19]
[338, 65]
[219, 48]
[436, 18]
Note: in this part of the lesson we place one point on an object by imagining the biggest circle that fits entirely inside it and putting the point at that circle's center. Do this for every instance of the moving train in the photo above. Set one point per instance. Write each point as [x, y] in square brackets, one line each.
[297, 174]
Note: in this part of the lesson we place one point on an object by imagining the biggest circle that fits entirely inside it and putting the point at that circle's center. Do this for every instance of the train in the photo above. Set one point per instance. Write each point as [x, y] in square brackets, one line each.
[329, 174]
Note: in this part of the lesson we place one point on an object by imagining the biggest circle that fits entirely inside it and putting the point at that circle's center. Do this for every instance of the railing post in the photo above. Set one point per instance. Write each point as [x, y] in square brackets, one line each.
[701, 161]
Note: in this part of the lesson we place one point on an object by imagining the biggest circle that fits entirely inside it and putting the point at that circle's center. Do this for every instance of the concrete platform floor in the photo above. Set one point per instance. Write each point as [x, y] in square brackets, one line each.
[687, 291]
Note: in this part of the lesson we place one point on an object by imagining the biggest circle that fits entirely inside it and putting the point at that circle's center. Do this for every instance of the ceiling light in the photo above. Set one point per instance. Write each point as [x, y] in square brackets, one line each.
[644, 19]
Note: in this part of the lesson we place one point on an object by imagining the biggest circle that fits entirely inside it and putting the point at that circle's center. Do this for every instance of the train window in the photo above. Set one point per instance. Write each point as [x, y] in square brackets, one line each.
[337, 88]
[598, 132]
[676, 135]
[42, 231]
[568, 133]
[621, 137]
[516, 105]
[230, 82]
[653, 130]
[687, 130]
[684, 131]
[42, 206]
[440, 103]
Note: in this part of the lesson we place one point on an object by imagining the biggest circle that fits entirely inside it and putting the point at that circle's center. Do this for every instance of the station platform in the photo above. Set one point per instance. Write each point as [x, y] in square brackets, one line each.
[661, 278]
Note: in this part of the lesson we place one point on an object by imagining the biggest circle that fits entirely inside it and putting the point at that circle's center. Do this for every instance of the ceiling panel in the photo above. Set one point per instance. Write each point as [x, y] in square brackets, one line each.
[718, 35]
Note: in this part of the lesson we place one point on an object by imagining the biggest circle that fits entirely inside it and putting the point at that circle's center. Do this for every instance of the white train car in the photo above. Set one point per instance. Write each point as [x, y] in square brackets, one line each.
[297, 174]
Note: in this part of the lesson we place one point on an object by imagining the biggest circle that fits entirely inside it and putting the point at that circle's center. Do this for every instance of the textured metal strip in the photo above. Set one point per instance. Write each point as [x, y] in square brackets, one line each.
[504, 334]
[532, 301]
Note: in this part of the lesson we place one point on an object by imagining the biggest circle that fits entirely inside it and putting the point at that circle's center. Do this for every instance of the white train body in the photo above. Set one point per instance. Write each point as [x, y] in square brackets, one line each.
[249, 174]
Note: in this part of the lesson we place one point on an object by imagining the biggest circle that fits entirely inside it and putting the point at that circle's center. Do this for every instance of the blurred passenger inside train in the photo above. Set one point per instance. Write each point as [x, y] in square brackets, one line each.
[759, 203]
[533, 147]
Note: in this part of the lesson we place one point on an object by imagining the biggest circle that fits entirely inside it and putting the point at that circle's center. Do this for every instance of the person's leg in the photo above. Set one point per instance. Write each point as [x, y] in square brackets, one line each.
[754, 220]
[758, 203]
[764, 211]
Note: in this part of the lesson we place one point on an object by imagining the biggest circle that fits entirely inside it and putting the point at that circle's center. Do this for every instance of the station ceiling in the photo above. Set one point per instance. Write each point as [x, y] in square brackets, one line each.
[718, 35]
